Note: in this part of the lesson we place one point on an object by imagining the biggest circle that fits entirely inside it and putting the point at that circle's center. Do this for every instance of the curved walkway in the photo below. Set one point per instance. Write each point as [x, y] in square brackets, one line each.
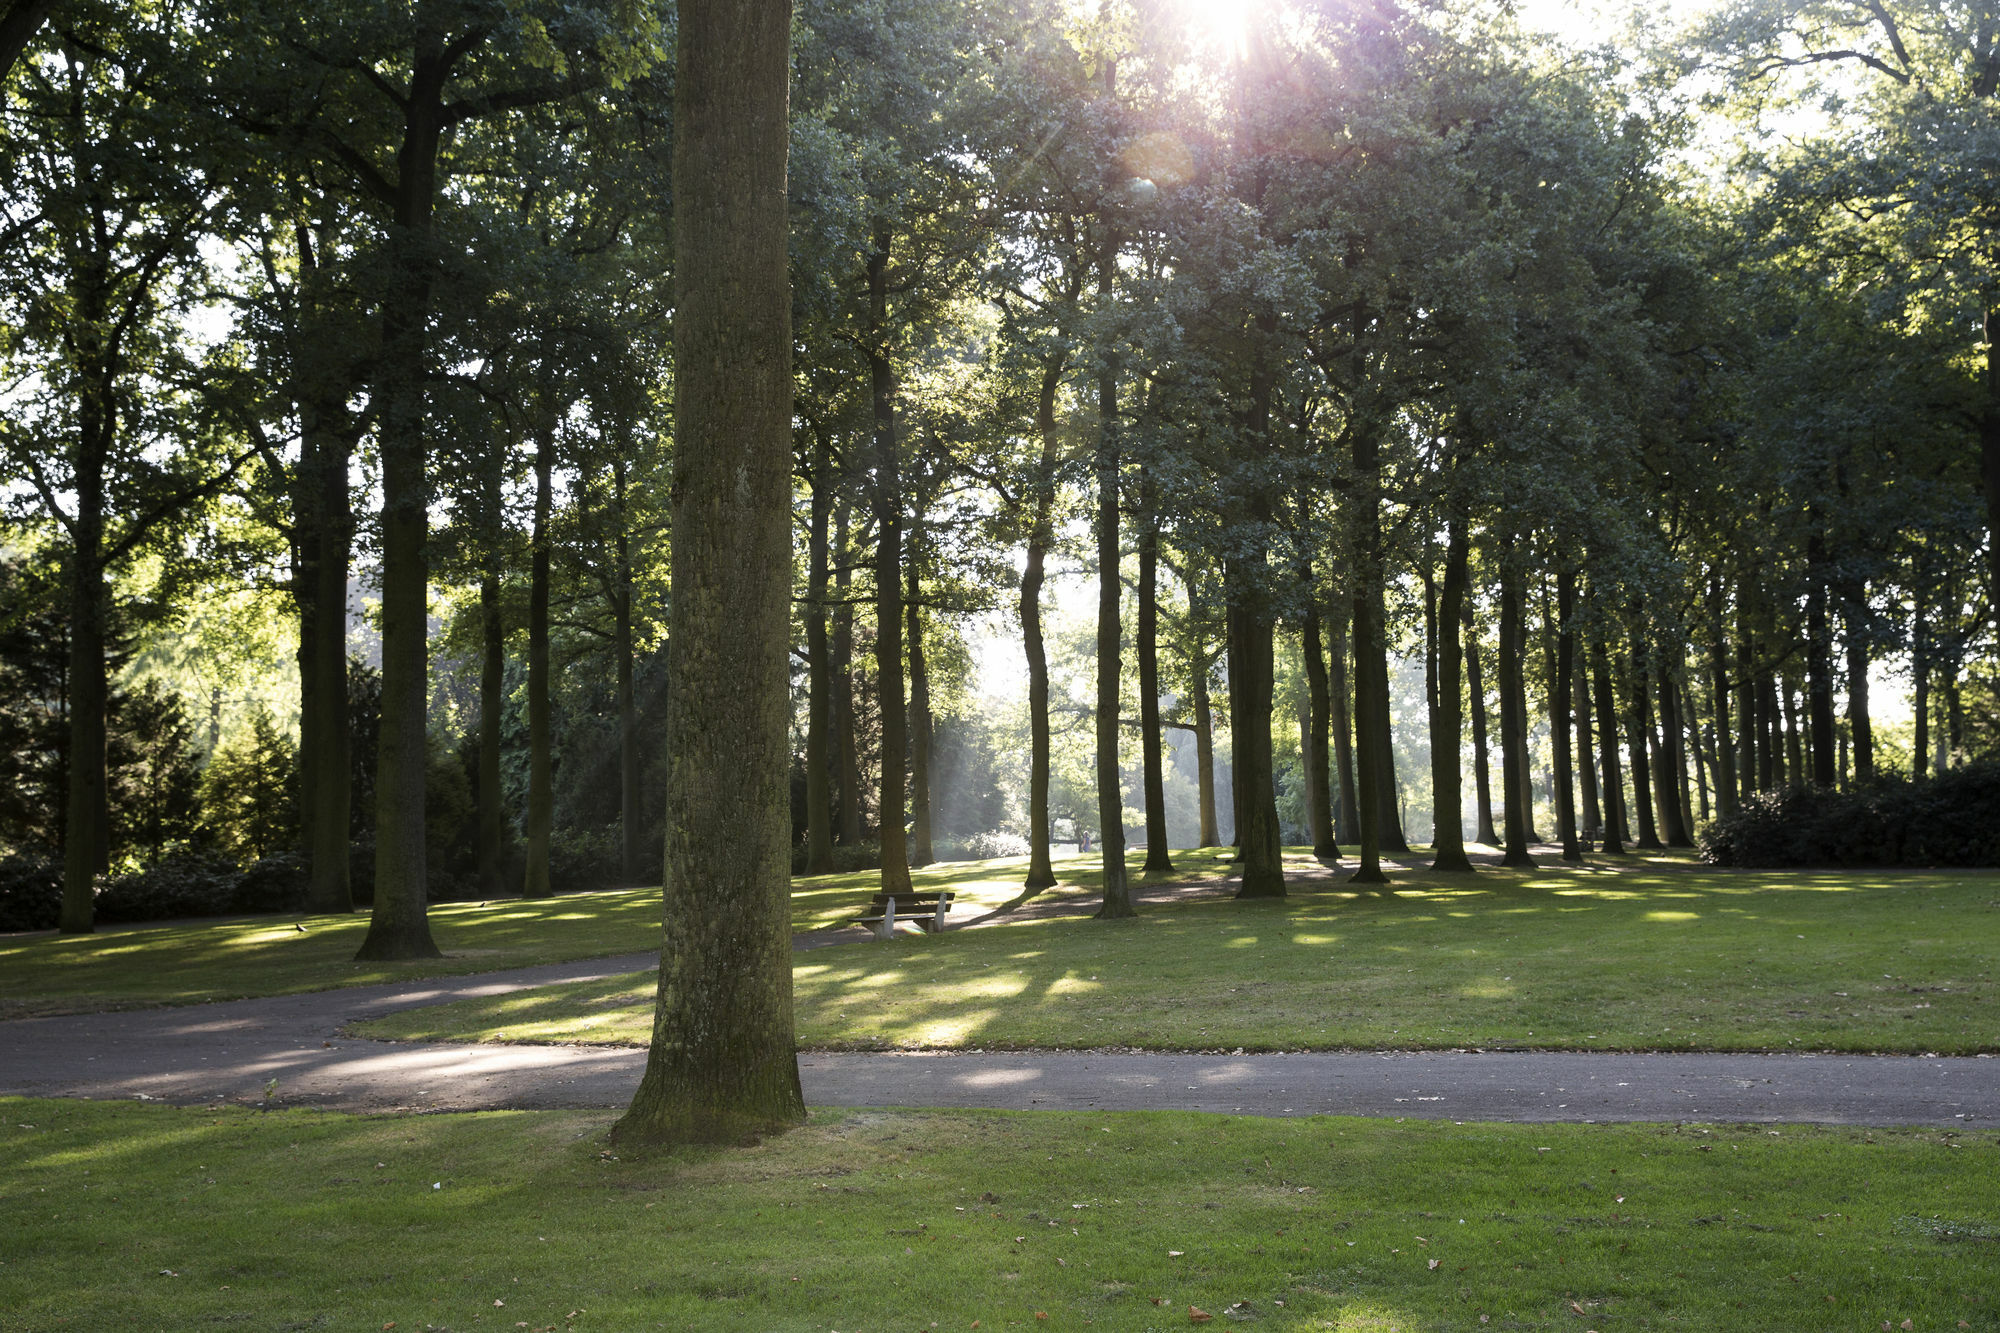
[231, 1052]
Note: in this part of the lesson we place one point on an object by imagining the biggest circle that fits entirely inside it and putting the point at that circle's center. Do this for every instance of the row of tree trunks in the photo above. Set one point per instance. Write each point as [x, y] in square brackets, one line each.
[819, 669]
[1447, 779]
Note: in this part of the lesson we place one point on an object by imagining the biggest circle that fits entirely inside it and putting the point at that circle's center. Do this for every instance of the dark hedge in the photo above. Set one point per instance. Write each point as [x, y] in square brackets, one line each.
[1952, 820]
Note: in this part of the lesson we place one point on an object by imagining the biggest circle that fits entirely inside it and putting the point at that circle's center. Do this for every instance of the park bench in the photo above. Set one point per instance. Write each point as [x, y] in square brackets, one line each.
[922, 909]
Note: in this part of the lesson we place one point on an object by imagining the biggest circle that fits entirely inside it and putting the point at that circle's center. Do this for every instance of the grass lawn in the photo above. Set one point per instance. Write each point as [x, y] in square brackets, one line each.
[118, 1216]
[1599, 958]
[189, 962]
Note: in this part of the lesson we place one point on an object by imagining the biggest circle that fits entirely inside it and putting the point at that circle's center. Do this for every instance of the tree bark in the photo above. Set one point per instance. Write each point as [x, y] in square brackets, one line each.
[1475, 690]
[1920, 693]
[1726, 787]
[1041, 869]
[492, 699]
[1199, 666]
[1989, 446]
[1159, 857]
[722, 1066]
[1513, 710]
[1313, 751]
[819, 671]
[541, 762]
[1562, 669]
[1591, 818]
[398, 926]
[920, 722]
[888, 576]
[1639, 724]
[630, 821]
[1447, 779]
[1110, 790]
[1819, 668]
[327, 792]
[847, 753]
[1607, 751]
[1671, 761]
[1346, 810]
[1854, 614]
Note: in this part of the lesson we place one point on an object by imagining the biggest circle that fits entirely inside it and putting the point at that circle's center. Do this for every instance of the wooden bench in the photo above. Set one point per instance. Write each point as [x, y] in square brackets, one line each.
[925, 910]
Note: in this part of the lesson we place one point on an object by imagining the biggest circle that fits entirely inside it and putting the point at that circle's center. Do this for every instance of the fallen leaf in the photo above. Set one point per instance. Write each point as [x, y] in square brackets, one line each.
[1198, 1316]
[1575, 1307]
[1175, 1254]
[1907, 1323]
[1436, 1262]
[1482, 1319]
[498, 1303]
[1041, 1314]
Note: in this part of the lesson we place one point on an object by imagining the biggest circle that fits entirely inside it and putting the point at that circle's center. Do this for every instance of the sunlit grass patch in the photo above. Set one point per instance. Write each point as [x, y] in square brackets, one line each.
[1890, 962]
[119, 1216]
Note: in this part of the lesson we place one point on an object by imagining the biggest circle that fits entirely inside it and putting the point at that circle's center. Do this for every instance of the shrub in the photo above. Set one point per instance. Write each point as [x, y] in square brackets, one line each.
[1951, 820]
[581, 859]
[847, 859]
[987, 846]
[272, 884]
[30, 893]
[249, 792]
[178, 886]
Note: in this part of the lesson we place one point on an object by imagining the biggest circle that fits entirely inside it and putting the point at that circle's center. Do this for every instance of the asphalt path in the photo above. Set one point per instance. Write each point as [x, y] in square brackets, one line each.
[232, 1052]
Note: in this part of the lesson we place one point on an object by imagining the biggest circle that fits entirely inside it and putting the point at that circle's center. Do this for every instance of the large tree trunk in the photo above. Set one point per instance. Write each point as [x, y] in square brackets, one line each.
[1525, 774]
[1447, 779]
[1562, 669]
[1110, 791]
[847, 752]
[630, 822]
[888, 576]
[1754, 764]
[1854, 615]
[492, 701]
[1252, 650]
[1591, 817]
[541, 762]
[327, 794]
[920, 724]
[1615, 832]
[20, 20]
[722, 1066]
[1041, 869]
[85, 834]
[1475, 691]
[1819, 670]
[1513, 710]
[1346, 809]
[819, 673]
[1313, 743]
[1920, 693]
[1639, 724]
[1671, 764]
[1159, 857]
[398, 927]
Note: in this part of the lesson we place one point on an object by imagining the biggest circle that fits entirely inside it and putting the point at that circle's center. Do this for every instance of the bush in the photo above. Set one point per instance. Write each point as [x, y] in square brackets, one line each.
[272, 884]
[30, 893]
[582, 859]
[998, 843]
[249, 792]
[1952, 820]
[178, 886]
[846, 859]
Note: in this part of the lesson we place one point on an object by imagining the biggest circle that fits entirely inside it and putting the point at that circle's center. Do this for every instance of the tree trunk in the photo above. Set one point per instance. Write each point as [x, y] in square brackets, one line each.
[1513, 710]
[819, 672]
[1607, 751]
[1041, 869]
[85, 832]
[1313, 743]
[1989, 445]
[1639, 724]
[1754, 766]
[541, 762]
[847, 753]
[1525, 773]
[1346, 810]
[398, 926]
[1367, 766]
[1854, 614]
[1159, 857]
[492, 699]
[1819, 670]
[1671, 763]
[630, 822]
[327, 792]
[920, 723]
[1475, 690]
[722, 1066]
[888, 576]
[1591, 818]
[1110, 789]
[1726, 786]
[1562, 669]
[1199, 667]
[1447, 779]
[1920, 694]
[1795, 759]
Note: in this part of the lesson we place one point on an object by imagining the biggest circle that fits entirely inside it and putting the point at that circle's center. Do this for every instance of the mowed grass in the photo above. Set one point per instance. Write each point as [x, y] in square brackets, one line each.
[1595, 958]
[191, 962]
[118, 1216]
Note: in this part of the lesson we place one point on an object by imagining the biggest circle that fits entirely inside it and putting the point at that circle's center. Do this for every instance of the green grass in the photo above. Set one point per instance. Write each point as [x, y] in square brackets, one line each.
[126, 1217]
[123, 967]
[1655, 958]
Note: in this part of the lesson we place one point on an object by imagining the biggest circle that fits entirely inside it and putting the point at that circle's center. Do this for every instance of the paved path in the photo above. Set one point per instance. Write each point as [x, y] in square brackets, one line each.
[229, 1052]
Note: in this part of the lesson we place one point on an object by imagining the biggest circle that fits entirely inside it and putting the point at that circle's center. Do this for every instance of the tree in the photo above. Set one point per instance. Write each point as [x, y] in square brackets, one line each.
[721, 1066]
